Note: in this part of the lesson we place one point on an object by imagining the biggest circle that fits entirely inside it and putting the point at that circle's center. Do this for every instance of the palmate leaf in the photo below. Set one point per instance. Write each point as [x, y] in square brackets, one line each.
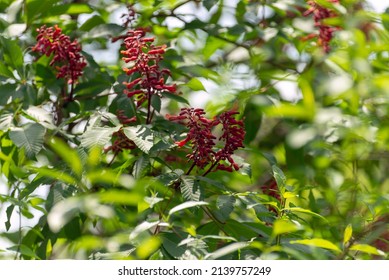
[225, 203]
[97, 136]
[191, 188]
[141, 166]
[30, 138]
[141, 135]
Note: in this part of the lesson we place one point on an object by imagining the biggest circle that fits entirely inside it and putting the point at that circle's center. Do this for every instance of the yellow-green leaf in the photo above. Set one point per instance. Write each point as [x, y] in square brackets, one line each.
[284, 226]
[348, 232]
[366, 249]
[317, 242]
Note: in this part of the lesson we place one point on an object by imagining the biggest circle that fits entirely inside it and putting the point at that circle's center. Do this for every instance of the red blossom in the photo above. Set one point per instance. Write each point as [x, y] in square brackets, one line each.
[325, 32]
[233, 137]
[67, 58]
[202, 140]
[144, 58]
[199, 135]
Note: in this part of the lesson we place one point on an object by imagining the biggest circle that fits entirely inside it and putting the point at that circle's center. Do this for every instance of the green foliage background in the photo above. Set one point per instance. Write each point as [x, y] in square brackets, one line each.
[326, 146]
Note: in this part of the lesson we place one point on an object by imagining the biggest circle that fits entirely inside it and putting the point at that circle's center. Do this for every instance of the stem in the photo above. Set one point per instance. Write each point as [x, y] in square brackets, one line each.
[156, 231]
[190, 169]
[148, 119]
[210, 168]
[213, 218]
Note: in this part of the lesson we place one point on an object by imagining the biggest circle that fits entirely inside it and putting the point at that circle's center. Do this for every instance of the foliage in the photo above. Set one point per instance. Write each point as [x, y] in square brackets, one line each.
[109, 157]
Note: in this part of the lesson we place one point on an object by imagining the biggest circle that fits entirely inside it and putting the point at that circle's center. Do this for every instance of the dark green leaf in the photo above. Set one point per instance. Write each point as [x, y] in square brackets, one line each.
[225, 203]
[191, 189]
[30, 137]
[175, 97]
[13, 55]
[141, 135]
[98, 136]
[141, 166]
[91, 23]
[156, 102]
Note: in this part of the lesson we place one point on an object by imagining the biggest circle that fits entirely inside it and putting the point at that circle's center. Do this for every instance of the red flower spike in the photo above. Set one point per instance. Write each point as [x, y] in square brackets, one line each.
[199, 135]
[325, 32]
[233, 137]
[202, 140]
[145, 58]
[67, 57]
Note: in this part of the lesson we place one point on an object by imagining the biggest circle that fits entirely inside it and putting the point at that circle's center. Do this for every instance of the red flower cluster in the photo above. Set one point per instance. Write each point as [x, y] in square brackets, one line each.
[67, 58]
[319, 14]
[147, 77]
[203, 141]
[233, 136]
[200, 135]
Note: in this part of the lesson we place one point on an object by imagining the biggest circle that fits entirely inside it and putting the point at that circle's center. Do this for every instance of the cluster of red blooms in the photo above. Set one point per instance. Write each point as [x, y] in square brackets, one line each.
[319, 14]
[147, 77]
[203, 141]
[67, 58]
[121, 141]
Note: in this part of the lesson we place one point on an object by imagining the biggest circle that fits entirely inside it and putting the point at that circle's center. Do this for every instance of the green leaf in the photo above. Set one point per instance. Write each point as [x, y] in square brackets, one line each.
[219, 186]
[142, 136]
[317, 242]
[6, 121]
[366, 249]
[305, 211]
[286, 110]
[175, 97]
[93, 87]
[225, 203]
[191, 189]
[9, 211]
[208, 4]
[13, 55]
[97, 136]
[120, 197]
[211, 46]
[142, 228]
[284, 226]
[65, 210]
[148, 246]
[24, 250]
[185, 205]
[5, 72]
[308, 97]
[30, 137]
[91, 23]
[195, 84]
[70, 9]
[54, 174]
[35, 8]
[104, 30]
[244, 167]
[141, 166]
[231, 248]
[156, 102]
[348, 232]
[70, 156]
[279, 177]
[40, 115]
